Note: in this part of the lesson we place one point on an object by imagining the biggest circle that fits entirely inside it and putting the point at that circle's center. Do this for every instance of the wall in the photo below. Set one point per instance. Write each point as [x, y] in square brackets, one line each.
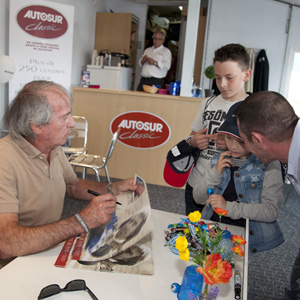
[239, 21]
[258, 24]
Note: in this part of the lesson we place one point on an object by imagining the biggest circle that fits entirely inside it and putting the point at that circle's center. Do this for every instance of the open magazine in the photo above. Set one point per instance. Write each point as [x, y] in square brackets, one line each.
[124, 244]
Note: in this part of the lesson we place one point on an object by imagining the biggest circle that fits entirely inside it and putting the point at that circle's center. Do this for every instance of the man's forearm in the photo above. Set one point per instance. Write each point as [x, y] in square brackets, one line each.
[17, 240]
[79, 189]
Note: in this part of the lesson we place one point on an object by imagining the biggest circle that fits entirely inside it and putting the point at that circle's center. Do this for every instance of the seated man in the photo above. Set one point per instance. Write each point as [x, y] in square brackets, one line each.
[35, 175]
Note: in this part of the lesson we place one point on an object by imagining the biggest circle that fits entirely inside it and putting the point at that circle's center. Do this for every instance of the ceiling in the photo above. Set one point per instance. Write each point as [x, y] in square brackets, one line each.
[185, 2]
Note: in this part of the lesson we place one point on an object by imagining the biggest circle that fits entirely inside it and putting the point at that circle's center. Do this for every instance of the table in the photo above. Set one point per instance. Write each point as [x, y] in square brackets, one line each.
[24, 277]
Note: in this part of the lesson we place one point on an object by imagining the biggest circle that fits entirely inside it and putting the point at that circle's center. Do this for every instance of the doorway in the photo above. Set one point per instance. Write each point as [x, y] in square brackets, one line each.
[168, 18]
[173, 20]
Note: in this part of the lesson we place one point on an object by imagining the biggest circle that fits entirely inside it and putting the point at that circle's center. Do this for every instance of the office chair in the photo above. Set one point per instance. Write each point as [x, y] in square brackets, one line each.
[95, 162]
[78, 136]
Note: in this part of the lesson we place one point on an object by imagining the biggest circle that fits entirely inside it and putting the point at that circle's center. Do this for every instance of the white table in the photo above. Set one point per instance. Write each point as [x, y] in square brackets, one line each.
[24, 277]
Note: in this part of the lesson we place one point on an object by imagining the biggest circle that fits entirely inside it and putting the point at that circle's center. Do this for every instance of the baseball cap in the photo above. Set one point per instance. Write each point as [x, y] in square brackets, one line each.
[230, 124]
[179, 164]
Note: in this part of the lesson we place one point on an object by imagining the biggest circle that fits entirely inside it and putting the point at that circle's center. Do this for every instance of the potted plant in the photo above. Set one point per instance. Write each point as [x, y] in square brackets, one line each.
[210, 74]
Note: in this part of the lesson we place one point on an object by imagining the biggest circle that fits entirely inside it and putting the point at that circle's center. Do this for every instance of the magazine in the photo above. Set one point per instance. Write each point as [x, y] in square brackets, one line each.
[123, 245]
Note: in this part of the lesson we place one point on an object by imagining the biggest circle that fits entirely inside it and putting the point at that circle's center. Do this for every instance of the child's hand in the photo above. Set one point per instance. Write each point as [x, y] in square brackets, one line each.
[219, 139]
[216, 201]
[200, 139]
[223, 162]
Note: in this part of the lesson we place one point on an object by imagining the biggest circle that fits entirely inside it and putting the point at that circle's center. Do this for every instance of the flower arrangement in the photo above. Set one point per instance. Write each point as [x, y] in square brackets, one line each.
[207, 246]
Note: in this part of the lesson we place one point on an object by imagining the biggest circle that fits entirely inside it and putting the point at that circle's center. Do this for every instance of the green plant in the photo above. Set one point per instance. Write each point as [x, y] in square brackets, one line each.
[210, 74]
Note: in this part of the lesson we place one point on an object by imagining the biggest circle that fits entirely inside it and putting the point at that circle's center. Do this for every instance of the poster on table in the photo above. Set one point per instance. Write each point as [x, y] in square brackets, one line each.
[123, 245]
[40, 42]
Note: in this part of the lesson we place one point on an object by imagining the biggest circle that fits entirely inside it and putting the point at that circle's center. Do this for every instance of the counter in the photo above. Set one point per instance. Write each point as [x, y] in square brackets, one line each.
[101, 106]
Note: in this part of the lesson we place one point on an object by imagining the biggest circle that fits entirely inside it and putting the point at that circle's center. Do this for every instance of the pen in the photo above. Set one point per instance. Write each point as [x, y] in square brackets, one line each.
[97, 194]
[237, 285]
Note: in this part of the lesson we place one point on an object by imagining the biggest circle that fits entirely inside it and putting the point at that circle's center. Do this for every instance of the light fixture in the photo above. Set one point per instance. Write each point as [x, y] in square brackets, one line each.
[7, 68]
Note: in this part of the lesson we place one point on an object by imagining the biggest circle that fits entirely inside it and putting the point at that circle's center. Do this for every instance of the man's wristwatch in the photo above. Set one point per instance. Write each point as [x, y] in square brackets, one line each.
[155, 64]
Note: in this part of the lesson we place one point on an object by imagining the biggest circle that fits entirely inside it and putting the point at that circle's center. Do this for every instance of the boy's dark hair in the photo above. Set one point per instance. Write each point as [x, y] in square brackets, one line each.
[234, 52]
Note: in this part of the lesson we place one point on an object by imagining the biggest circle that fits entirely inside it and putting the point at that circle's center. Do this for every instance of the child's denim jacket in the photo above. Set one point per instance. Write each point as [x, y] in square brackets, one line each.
[248, 184]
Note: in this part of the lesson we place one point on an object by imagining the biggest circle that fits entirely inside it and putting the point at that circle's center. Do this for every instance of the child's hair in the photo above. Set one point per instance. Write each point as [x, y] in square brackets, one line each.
[234, 52]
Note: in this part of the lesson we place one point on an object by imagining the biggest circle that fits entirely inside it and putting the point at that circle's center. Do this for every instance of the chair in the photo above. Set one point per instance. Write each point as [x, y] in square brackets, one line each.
[95, 162]
[79, 136]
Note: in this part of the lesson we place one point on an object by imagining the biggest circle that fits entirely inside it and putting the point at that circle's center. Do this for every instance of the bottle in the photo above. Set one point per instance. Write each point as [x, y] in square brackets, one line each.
[194, 88]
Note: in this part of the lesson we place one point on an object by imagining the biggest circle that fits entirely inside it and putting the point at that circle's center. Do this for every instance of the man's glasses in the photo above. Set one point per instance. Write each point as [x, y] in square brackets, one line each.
[157, 39]
[74, 285]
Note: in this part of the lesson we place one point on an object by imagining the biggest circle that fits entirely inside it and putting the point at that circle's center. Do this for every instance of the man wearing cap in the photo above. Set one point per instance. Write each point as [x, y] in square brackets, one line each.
[245, 187]
[155, 62]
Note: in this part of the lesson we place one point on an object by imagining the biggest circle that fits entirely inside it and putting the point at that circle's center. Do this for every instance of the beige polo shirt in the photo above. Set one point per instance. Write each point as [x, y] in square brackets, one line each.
[30, 186]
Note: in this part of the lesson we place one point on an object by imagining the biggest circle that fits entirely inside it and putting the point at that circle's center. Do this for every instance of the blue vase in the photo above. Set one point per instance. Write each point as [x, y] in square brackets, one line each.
[192, 284]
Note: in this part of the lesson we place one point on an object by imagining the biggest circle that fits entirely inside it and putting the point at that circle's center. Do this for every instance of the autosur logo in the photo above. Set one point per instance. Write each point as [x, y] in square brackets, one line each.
[42, 21]
[141, 129]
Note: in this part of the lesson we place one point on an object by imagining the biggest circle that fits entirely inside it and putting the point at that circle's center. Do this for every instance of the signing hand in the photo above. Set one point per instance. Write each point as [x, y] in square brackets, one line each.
[99, 210]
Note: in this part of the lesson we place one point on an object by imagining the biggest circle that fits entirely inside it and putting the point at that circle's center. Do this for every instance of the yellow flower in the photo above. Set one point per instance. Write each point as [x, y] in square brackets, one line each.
[184, 255]
[181, 243]
[195, 216]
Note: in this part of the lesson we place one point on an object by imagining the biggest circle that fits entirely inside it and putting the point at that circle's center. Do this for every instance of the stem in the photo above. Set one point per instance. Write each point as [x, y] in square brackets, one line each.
[205, 292]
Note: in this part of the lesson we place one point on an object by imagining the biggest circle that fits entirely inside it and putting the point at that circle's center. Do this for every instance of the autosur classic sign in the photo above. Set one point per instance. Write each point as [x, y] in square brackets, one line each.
[40, 42]
[42, 21]
[141, 129]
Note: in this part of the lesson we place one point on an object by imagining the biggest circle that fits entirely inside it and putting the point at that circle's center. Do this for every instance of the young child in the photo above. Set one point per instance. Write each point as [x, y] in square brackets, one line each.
[245, 187]
[231, 66]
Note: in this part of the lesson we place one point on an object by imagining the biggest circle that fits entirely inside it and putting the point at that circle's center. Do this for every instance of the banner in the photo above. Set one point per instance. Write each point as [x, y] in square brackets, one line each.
[40, 42]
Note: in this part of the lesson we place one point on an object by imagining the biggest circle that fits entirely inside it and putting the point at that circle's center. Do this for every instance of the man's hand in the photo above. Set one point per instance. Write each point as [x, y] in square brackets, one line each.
[123, 186]
[99, 210]
[150, 61]
[200, 139]
[144, 59]
[224, 162]
[216, 201]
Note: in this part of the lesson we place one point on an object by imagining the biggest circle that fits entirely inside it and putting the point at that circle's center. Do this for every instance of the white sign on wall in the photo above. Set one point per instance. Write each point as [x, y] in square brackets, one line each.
[40, 42]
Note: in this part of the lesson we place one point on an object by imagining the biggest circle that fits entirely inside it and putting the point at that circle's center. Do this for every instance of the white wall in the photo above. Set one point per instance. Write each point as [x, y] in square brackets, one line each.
[258, 24]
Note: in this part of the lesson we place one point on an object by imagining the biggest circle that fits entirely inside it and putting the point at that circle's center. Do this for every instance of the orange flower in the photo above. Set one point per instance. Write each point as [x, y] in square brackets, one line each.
[215, 270]
[237, 240]
[238, 250]
[221, 211]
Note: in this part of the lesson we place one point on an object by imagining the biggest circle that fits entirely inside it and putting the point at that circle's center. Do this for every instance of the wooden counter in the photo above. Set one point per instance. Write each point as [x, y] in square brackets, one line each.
[101, 106]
